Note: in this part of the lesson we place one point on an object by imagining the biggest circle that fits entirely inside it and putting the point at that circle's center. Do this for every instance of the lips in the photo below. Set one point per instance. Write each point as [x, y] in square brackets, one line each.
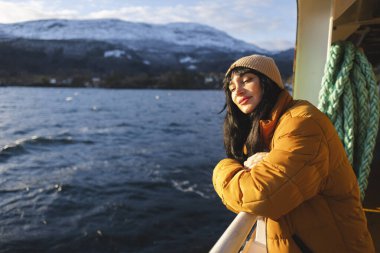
[243, 100]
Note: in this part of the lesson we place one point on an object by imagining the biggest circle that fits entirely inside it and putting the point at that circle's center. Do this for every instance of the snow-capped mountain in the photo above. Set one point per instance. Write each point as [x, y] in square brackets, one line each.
[135, 35]
[117, 53]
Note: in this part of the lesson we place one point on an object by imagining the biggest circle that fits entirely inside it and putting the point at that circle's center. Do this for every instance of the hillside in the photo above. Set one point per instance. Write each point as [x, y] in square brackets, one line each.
[120, 54]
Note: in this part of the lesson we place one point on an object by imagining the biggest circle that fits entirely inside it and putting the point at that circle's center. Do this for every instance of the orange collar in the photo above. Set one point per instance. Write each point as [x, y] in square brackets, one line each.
[267, 126]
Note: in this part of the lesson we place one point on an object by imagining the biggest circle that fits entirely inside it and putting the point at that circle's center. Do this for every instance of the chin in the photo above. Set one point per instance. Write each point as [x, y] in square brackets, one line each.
[247, 111]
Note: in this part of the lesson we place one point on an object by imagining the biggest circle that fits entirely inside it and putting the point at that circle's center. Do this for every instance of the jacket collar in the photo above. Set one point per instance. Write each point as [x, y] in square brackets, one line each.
[267, 127]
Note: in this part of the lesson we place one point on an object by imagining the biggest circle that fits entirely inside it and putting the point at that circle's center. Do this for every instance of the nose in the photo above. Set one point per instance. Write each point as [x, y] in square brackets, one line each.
[239, 88]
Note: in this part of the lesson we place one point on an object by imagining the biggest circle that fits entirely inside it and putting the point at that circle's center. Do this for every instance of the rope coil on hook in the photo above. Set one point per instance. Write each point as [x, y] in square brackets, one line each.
[349, 97]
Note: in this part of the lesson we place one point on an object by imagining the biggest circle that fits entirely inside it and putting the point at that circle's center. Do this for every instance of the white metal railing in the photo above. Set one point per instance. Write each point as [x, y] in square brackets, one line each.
[235, 235]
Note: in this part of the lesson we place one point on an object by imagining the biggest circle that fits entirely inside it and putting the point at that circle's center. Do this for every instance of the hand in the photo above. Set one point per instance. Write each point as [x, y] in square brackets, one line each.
[254, 159]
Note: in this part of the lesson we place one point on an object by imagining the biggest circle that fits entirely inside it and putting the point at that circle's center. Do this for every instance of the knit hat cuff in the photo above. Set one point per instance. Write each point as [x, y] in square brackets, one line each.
[262, 64]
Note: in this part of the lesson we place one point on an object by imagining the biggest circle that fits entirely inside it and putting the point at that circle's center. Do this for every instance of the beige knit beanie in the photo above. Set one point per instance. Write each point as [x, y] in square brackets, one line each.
[261, 63]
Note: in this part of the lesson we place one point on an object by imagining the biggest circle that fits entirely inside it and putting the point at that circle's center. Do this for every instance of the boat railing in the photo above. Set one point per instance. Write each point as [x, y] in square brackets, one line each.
[235, 236]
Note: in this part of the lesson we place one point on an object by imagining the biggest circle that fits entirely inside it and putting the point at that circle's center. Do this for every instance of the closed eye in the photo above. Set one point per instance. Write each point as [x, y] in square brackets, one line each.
[247, 80]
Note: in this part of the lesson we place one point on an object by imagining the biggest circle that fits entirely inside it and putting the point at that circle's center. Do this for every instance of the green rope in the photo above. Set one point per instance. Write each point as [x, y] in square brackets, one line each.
[349, 97]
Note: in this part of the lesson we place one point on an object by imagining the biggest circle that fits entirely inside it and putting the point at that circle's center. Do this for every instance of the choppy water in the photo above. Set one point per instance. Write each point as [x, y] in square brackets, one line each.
[93, 170]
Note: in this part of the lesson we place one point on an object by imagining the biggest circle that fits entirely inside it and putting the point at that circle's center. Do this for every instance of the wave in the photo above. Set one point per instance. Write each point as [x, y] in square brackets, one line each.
[185, 186]
[24, 145]
[178, 131]
[175, 124]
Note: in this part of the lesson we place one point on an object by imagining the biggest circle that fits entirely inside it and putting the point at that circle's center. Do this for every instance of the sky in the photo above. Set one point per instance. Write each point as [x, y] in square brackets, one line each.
[269, 24]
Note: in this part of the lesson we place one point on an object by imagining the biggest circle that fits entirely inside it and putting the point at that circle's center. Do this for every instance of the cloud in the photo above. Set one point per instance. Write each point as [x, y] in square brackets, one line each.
[145, 14]
[275, 44]
[18, 11]
[249, 20]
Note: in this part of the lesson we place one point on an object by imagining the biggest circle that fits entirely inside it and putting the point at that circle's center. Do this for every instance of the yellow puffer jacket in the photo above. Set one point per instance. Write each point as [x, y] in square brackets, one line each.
[305, 187]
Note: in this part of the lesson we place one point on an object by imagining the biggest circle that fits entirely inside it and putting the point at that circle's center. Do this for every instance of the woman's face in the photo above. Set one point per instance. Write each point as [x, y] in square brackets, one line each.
[246, 91]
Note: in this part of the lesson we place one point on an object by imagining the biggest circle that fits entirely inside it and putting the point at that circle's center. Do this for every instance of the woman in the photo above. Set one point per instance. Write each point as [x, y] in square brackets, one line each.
[304, 187]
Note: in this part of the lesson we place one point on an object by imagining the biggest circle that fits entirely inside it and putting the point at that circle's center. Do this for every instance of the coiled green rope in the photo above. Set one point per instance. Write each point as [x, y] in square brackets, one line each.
[349, 97]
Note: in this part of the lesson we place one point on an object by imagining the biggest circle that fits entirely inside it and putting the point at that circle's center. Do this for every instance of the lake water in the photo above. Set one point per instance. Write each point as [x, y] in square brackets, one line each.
[95, 170]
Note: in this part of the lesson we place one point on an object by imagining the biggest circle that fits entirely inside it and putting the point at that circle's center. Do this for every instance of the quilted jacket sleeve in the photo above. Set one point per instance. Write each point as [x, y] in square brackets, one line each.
[292, 172]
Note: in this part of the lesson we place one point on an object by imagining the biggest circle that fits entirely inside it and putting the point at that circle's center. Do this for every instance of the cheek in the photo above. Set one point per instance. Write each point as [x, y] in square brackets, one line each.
[258, 92]
[233, 98]
[260, 95]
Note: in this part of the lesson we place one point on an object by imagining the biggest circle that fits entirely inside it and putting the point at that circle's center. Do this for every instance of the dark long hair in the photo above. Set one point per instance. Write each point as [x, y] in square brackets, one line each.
[243, 129]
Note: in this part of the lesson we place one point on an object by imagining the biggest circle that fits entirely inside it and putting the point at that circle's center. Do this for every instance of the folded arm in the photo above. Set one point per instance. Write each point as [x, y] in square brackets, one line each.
[290, 174]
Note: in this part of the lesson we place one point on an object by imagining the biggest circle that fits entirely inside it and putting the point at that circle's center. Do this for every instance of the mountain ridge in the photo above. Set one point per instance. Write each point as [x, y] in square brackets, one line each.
[185, 56]
[180, 33]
